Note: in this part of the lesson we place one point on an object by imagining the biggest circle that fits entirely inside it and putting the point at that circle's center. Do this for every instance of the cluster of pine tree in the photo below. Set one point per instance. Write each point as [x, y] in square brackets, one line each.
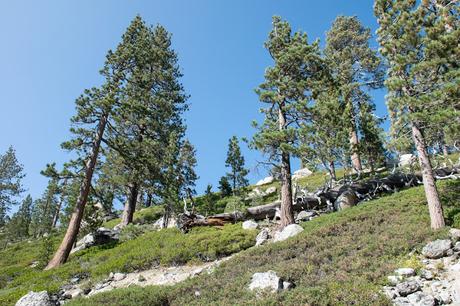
[318, 102]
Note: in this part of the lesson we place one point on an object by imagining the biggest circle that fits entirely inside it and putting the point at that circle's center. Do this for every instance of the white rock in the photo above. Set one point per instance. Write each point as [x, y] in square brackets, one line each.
[289, 231]
[407, 160]
[390, 292]
[35, 299]
[250, 224]
[304, 172]
[394, 279]
[118, 276]
[445, 297]
[405, 272]
[437, 248]
[454, 234]
[73, 293]
[265, 181]
[305, 215]
[266, 281]
[407, 287]
[270, 190]
[455, 268]
[262, 237]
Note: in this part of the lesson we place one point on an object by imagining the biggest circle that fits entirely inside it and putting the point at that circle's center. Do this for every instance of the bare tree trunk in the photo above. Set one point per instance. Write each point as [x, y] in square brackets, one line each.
[354, 142]
[64, 249]
[332, 171]
[148, 201]
[58, 209]
[287, 216]
[431, 193]
[130, 206]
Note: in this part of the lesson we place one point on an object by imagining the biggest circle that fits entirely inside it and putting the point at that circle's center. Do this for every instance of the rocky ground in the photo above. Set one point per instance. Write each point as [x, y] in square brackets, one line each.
[435, 282]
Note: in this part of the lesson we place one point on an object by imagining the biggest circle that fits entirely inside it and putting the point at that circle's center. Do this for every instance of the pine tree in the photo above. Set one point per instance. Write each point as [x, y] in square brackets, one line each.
[11, 174]
[209, 200]
[224, 187]
[19, 226]
[286, 87]
[235, 161]
[354, 66]
[423, 76]
[45, 210]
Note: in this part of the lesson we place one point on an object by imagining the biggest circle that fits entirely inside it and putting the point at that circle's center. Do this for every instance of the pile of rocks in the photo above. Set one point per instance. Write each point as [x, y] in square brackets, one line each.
[437, 283]
[101, 236]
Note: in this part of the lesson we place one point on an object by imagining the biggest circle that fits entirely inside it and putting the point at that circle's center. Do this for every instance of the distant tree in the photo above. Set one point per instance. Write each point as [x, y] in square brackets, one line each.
[287, 84]
[44, 210]
[11, 174]
[420, 43]
[354, 66]
[235, 161]
[19, 225]
[209, 200]
[224, 187]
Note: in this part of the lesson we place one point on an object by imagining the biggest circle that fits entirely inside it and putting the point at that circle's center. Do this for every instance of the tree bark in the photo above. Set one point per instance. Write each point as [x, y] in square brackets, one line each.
[354, 142]
[64, 249]
[287, 216]
[431, 192]
[332, 171]
[58, 209]
[130, 206]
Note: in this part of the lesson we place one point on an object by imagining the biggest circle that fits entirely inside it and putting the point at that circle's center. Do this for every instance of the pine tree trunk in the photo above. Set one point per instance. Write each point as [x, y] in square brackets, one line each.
[431, 193]
[64, 249]
[332, 171]
[287, 216]
[148, 201]
[354, 142]
[58, 209]
[130, 206]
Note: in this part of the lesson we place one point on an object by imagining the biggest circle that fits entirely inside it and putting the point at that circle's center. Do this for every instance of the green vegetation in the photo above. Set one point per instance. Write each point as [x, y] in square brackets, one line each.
[166, 248]
[340, 259]
[145, 215]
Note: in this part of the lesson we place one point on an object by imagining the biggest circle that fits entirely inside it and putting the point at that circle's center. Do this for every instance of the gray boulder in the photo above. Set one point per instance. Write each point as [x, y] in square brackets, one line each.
[263, 236]
[265, 181]
[437, 249]
[454, 234]
[408, 287]
[405, 272]
[304, 172]
[289, 231]
[250, 225]
[305, 215]
[266, 281]
[270, 191]
[406, 160]
[421, 299]
[346, 200]
[101, 236]
[35, 299]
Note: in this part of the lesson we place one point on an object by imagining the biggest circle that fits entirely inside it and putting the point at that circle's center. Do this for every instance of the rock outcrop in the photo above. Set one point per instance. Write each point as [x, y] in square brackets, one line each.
[101, 236]
[35, 299]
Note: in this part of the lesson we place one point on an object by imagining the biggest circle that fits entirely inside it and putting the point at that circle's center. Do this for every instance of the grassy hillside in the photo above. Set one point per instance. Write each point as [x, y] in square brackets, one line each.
[166, 248]
[340, 259]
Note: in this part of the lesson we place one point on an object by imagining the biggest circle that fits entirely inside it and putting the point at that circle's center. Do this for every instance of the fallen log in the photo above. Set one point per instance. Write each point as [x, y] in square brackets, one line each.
[323, 200]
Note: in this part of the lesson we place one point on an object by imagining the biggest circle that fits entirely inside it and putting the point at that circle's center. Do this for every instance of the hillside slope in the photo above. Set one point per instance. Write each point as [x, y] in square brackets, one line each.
[339, 259]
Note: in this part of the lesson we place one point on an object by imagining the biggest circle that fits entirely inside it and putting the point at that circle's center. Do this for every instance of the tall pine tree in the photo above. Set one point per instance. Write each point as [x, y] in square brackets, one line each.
[235, 161]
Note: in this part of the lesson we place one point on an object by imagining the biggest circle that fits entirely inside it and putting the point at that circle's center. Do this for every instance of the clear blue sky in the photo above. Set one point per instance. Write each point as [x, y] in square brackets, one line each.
[52, 50]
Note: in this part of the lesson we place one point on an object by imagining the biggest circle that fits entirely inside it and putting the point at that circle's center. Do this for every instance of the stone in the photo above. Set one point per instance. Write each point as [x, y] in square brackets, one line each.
[101, 236]
[305, 216]
[304, 172]
[389, 292]
[265, 181]
[266, 281]
[437, 248]
[406, 160]
[118, 276]
[35, 299]
[262, 237]
[455, 268]
[289, 231]
[73, 293]
[445, 297]
[426, 274]
[394, 279]
[159, 224]
[401, 301]
[270, 191]
[250, 225]
[457, 246]
[422, 299]
[454, 234]
[408, 287]
[346, 200]
[405, 272]
[287, 285]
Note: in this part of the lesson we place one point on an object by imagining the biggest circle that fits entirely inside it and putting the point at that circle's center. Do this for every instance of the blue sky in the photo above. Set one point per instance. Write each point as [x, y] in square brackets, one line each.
[52, 50]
